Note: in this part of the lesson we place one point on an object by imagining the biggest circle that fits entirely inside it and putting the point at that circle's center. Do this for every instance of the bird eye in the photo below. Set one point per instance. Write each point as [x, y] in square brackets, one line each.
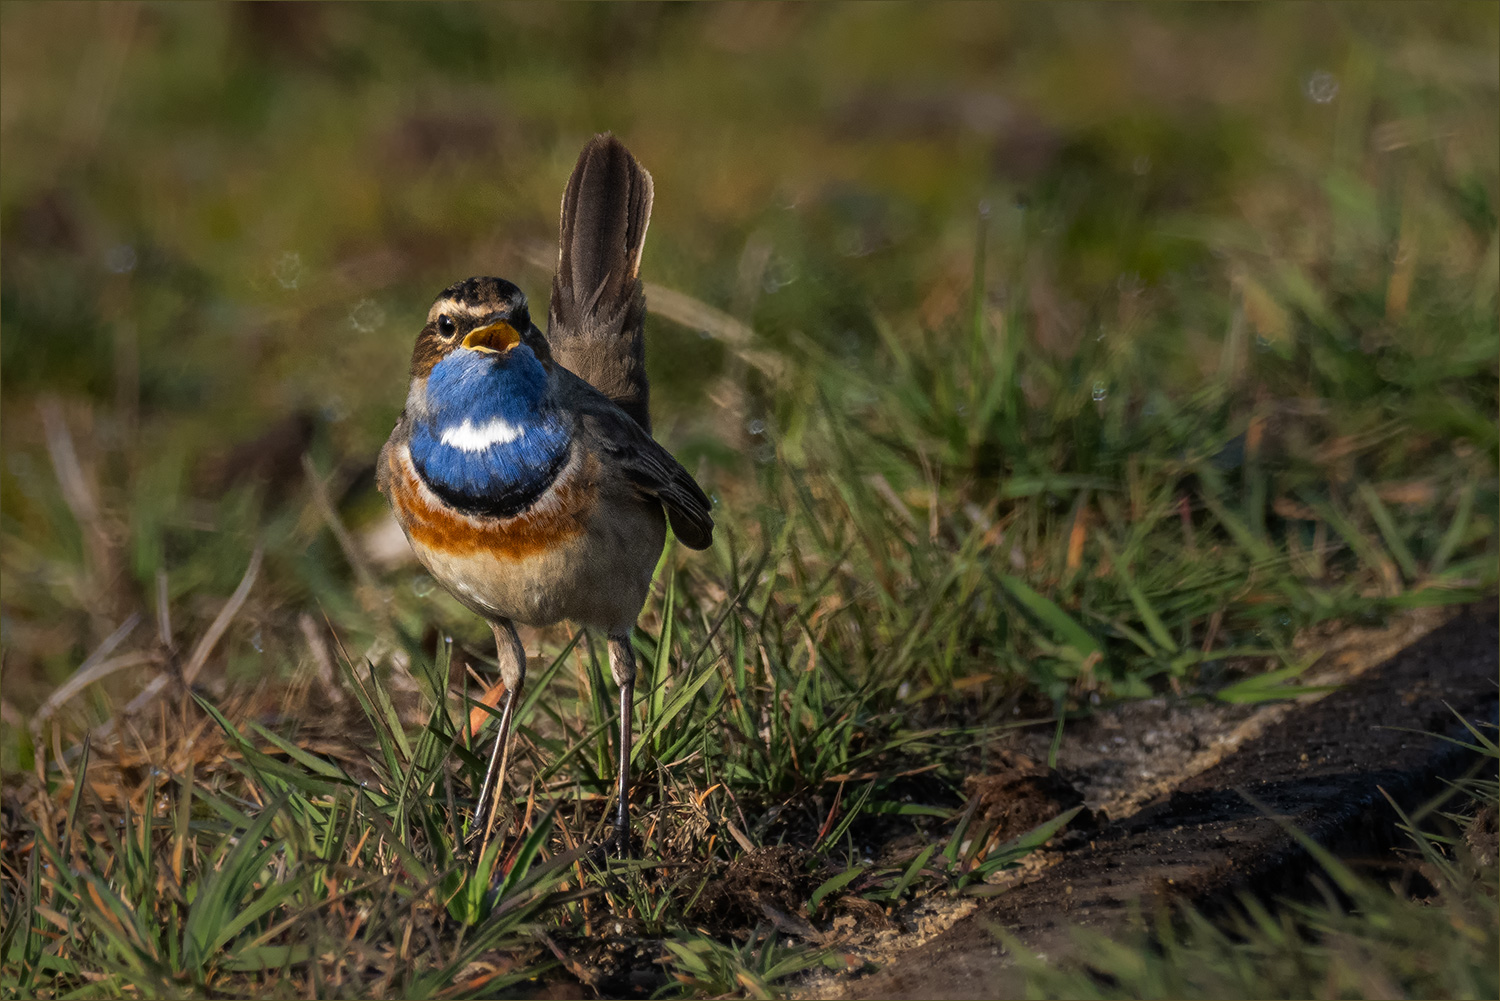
[446, 326]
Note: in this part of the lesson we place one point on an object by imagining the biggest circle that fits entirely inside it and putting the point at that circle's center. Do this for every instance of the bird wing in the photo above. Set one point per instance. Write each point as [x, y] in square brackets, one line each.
[637, 457]
[598, 309]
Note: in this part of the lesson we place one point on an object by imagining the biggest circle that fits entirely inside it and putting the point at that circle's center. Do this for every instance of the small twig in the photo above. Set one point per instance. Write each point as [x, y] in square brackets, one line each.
[695, 314]
[330, 514]
[569, 963]
[690, 312]
[70, 476]
[163, 611]
[97, 665]
[893, 500]
[327, 676]
[739, 836]
[679, 307]
[221, 622]
[791, 925]
[1214, 621]
[833, 811]
[201, 652]
[98, 84]
[78, 494]
[82, 679]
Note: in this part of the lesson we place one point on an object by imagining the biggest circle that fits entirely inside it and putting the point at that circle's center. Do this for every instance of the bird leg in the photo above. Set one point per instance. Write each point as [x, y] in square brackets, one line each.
[512, 657]
[622, 666]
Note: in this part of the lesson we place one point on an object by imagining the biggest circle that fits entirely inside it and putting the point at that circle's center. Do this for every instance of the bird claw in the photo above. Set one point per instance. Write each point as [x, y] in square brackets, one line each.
[622, 844]
[469, 847]
[619, 845]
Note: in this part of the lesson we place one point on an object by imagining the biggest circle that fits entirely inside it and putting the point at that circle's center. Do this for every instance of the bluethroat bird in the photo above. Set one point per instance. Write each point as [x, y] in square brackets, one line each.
[523, 470]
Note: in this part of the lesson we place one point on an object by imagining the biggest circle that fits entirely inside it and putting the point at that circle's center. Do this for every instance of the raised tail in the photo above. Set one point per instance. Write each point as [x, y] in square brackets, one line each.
[595, 322]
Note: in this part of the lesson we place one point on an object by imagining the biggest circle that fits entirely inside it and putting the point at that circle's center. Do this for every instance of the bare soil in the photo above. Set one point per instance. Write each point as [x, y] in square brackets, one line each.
[1217, 827]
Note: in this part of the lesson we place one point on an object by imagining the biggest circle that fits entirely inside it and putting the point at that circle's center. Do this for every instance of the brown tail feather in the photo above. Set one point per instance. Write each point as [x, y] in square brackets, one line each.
[598, 307]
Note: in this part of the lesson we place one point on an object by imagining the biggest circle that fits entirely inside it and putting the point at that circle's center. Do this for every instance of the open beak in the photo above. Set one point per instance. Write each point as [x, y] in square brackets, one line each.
[492, 337]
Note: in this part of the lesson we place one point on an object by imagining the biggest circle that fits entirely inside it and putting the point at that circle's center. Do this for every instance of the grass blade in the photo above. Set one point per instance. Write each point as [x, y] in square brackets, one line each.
[1062, 625]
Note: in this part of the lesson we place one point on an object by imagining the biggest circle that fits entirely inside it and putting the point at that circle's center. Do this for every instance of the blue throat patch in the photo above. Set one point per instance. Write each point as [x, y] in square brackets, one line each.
[490, 442]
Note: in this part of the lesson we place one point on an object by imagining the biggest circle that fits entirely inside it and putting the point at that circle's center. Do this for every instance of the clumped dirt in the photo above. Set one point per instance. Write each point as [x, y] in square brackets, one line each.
[766, 884]
[1019, 795]
[620, 961]
[1482, 836]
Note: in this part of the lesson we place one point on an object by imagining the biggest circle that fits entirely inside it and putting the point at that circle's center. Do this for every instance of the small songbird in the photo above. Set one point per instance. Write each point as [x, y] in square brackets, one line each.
[523, 470]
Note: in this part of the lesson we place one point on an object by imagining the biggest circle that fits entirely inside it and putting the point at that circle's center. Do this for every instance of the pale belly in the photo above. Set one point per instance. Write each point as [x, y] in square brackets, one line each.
[601, 579]
[578, 554]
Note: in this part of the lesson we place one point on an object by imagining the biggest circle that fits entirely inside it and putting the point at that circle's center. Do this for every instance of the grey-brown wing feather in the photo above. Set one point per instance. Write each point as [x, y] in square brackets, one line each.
[598, 309]
[640, 460]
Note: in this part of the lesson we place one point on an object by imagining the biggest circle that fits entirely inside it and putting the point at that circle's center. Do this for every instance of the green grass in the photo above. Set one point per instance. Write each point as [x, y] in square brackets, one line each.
[1049, 370]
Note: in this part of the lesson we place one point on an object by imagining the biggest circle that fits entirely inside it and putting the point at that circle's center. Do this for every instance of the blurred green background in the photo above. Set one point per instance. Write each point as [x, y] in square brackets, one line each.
[222, 220]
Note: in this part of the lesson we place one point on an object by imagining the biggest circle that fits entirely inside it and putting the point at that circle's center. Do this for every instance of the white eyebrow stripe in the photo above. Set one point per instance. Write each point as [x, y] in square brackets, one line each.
[495, 431]
[456, 309]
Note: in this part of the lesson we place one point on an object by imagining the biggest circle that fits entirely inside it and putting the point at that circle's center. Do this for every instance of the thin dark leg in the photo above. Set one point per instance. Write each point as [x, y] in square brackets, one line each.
[512, 658]
[487, 805]
[622, 667]
[622, 784]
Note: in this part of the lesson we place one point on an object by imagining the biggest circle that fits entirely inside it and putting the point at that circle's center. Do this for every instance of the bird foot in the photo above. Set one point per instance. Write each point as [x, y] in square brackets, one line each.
[474, 844]
[619, 845]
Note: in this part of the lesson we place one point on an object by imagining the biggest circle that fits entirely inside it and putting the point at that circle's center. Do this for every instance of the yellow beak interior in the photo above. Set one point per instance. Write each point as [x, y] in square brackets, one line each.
[494, 337]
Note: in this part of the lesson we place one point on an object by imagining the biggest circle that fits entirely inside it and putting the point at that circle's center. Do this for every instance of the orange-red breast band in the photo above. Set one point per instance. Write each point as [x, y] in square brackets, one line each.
[558, 517]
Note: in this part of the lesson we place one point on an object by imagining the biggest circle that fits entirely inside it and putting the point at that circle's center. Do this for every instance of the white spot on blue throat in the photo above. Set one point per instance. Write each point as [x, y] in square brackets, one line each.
[487, 439]
[471, 438]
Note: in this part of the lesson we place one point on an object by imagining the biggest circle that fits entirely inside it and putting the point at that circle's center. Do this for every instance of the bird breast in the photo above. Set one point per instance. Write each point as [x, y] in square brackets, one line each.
[585, 550]
[558, 514]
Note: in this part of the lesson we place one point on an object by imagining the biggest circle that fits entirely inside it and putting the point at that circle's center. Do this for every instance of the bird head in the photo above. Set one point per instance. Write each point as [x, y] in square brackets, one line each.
[484, 315]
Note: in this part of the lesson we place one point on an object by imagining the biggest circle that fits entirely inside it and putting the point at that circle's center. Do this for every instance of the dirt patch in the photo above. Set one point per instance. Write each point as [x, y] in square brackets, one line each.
[1132, 753]
[619, 961]
[1116, 760]
[1321, 766]
[1482, 836]
[770, 883]
[1019, 795]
